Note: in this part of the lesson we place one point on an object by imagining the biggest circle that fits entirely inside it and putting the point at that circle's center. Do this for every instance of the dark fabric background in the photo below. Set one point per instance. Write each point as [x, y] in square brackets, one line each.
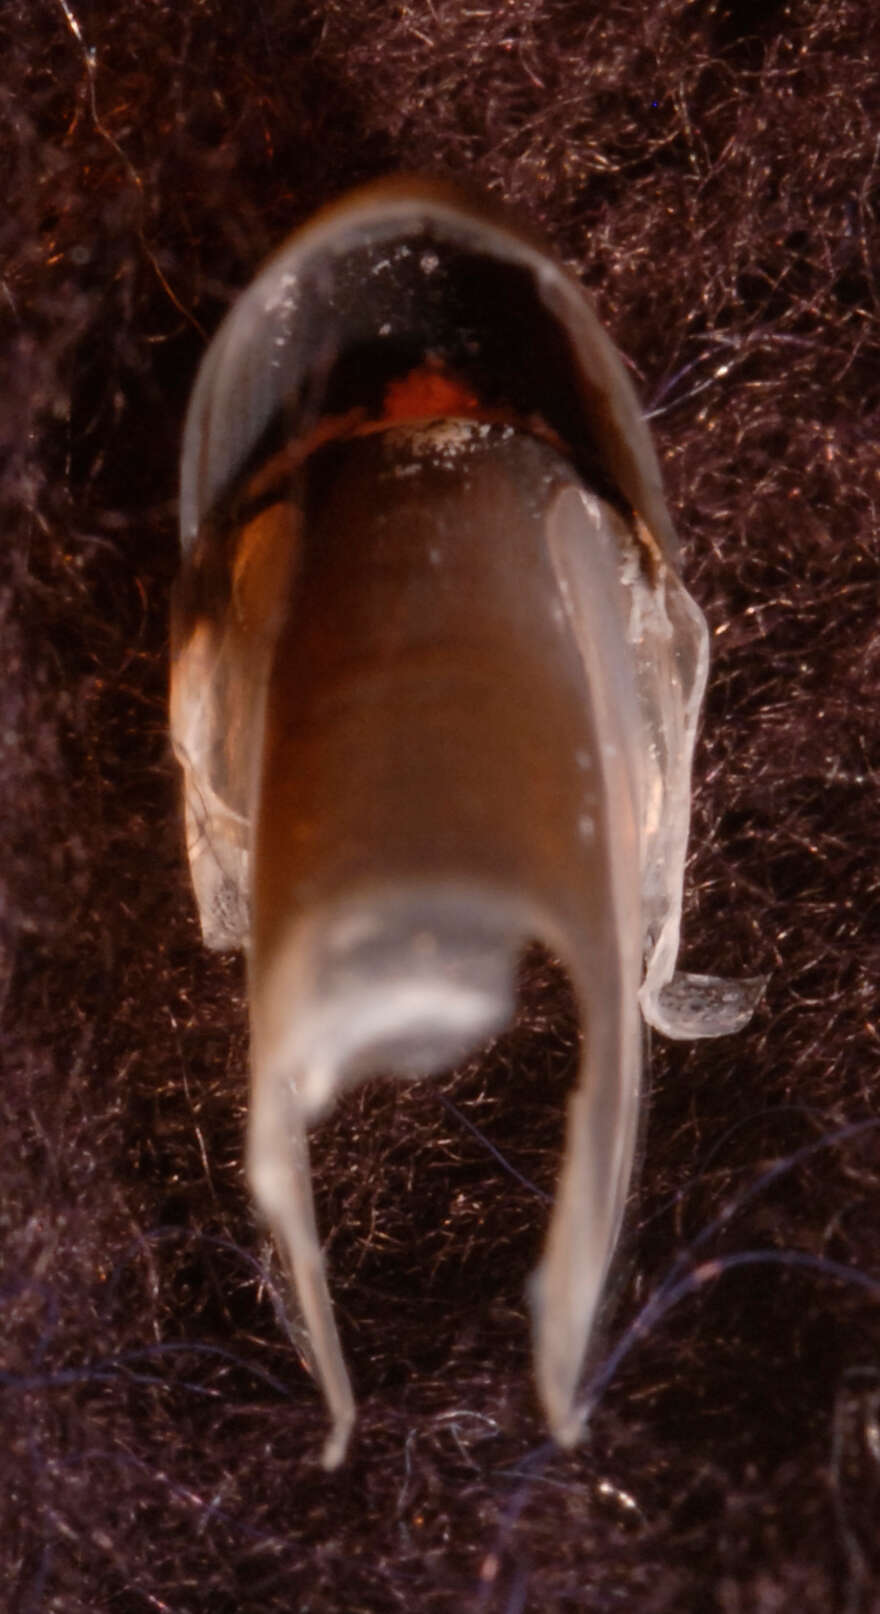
[711, 170]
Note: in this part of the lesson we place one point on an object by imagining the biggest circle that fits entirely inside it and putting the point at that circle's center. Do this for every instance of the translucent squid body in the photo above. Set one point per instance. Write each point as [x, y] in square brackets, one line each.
[435, 690]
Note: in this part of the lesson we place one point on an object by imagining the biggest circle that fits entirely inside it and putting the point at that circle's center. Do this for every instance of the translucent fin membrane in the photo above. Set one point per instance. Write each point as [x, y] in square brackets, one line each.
[435, 692]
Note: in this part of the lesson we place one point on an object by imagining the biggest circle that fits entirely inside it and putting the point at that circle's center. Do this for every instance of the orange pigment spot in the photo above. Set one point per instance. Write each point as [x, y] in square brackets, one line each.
[424, 394]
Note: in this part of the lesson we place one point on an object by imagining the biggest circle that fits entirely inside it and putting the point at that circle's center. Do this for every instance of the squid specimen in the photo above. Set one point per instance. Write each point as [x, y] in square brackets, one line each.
[435, 690]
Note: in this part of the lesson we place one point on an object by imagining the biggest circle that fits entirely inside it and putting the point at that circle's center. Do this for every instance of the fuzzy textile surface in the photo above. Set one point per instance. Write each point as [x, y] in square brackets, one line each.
[710, 168]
